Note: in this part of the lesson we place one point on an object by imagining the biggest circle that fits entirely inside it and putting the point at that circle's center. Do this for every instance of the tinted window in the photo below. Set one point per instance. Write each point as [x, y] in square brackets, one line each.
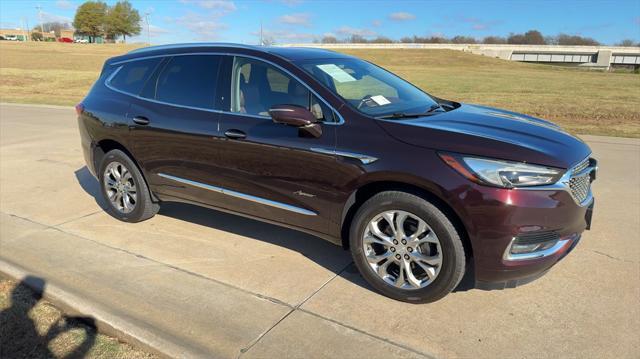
[189, 81]
[257, 86]
[133, 75]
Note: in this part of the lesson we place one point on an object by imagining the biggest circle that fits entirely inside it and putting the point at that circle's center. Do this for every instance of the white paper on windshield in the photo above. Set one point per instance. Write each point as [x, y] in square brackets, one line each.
[337, 73]
[380, 100]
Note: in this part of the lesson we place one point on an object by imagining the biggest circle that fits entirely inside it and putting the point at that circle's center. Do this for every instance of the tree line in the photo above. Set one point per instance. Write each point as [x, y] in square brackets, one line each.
[96, 18]
[531, 37]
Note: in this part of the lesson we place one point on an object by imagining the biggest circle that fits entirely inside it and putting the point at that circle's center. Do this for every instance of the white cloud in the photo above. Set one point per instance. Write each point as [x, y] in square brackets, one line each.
[65, 4]
[301, 19]
[47, 17]
[349, 31]
[218, 4]
[156, 30]
[280, 36]
[292, 2]
[204, 27]
[224, 5]
[401, 16]
[480, 25]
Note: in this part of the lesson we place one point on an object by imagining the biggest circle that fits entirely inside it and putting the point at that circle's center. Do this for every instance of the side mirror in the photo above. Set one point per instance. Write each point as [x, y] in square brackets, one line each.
[297, 116]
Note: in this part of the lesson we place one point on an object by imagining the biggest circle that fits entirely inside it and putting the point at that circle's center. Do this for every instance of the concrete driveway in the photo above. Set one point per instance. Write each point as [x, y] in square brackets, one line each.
[196, 282]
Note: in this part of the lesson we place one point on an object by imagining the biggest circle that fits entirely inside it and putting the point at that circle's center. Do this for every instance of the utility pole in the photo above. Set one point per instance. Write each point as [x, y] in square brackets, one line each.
[261, 42]
[40, 17]
[146, 16]
[22, 28]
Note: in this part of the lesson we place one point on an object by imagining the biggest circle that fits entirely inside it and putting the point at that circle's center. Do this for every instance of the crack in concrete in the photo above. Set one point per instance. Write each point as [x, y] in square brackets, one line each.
[258, 295]
[262, 335]
[614, 258]
[407, 348]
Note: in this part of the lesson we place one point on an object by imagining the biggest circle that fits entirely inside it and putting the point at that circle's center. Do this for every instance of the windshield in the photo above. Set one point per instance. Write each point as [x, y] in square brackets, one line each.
[368, 88]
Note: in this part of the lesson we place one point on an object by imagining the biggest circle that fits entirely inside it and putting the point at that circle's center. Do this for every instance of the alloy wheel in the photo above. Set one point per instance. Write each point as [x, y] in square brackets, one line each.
[120, 187]
[402, 249]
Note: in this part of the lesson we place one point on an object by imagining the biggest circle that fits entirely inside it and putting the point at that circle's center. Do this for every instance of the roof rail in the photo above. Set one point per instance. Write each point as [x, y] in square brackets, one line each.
[193, 44]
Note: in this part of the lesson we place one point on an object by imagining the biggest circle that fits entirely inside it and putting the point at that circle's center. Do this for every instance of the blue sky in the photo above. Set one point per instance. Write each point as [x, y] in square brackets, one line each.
[289, 21]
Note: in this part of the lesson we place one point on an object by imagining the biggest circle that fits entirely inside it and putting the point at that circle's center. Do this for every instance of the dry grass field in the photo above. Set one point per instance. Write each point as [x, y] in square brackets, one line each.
[582, 101]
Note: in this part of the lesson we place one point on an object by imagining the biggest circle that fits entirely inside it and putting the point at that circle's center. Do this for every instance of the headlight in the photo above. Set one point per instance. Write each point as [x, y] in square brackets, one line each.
[502, 173]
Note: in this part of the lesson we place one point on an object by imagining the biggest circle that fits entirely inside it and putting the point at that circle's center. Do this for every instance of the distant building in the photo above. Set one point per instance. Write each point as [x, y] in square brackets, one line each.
[24, 35]
[69, 33]
[19, 34]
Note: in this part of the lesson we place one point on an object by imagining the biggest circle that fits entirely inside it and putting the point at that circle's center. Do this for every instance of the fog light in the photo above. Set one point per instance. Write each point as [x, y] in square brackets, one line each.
[532, 245]
[520, 248]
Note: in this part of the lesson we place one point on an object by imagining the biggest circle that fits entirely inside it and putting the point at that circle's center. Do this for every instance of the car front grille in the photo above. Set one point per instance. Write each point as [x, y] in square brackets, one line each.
[581, 166]
[580, 183]
[536, 237]
[580, 187]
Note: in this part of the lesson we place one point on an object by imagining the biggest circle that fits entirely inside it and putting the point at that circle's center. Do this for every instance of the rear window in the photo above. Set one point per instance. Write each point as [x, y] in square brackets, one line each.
[133, 75]
[189, 81]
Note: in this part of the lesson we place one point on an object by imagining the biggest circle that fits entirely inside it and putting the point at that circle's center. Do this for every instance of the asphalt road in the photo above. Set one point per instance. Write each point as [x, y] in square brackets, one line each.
[196, 282]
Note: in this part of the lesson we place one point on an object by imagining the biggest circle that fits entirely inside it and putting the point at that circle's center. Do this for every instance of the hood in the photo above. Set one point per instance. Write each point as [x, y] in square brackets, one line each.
[489, 132]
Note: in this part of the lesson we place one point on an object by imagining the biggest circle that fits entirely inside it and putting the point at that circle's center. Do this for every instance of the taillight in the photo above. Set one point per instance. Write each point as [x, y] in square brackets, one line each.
[79, 109]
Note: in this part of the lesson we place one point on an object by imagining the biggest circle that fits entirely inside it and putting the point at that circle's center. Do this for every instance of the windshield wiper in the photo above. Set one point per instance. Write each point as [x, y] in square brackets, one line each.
[428, 112]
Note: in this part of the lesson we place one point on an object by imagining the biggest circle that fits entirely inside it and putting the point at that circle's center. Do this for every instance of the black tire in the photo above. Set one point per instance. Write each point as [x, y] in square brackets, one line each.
[144, 207]
[453, 256]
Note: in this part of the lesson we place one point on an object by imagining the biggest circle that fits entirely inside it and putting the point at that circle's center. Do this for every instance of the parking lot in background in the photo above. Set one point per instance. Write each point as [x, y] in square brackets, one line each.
[197, 282]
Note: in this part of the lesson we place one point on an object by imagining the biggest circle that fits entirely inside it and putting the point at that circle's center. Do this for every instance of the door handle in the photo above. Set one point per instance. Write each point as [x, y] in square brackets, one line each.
[235, 134]
[141, 120]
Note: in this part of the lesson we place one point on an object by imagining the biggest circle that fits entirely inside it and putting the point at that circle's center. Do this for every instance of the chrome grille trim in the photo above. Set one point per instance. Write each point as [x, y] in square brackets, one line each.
[579, 182]
[576, 181]
[580, 187]
[581, 165]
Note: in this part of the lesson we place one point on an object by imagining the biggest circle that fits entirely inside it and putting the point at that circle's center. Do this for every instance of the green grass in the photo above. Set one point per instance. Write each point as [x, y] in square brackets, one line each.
[582, 101]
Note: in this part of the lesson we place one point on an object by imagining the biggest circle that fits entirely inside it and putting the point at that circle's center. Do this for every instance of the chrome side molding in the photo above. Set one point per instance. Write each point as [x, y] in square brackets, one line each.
[244, 196]
[365, 159]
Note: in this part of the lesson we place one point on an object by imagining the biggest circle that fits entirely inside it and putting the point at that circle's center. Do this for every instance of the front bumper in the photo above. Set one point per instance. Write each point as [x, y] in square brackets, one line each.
[530, 212]
[494, 217]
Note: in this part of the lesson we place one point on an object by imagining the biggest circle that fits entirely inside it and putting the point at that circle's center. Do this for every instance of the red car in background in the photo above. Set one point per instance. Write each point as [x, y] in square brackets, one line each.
[65, 39]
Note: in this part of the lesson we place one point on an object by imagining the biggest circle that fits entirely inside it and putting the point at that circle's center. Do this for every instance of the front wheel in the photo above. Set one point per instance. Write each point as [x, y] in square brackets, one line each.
[406, 248]
[124, 189]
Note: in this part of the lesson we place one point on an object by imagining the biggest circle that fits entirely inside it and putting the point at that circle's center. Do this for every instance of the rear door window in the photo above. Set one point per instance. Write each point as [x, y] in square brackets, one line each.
[189, 80]
[133, 75]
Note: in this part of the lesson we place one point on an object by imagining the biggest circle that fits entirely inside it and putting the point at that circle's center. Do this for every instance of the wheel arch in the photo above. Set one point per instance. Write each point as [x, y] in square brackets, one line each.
[103, 146]
[368, 190]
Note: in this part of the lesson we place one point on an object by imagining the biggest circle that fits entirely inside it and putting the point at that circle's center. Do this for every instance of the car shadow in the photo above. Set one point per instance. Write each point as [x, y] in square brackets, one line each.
[330, 256]
[22, 337]
[90, 185]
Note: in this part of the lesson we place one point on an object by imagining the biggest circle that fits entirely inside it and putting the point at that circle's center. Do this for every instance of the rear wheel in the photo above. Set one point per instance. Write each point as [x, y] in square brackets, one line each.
[406, 248]
[124, 189]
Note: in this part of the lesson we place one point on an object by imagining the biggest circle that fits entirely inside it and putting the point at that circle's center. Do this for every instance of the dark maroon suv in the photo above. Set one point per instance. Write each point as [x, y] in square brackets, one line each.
[421, 190]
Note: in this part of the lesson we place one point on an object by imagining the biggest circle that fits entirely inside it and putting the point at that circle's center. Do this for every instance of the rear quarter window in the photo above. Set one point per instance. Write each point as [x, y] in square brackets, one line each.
[133, 75]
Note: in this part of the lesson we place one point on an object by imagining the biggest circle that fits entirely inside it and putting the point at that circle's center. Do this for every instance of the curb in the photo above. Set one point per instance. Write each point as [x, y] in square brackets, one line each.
[16, 104]
[106, 322]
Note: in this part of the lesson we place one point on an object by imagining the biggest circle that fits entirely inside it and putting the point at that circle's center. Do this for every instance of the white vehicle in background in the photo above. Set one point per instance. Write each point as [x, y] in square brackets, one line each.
[11, 37]
[81, 41]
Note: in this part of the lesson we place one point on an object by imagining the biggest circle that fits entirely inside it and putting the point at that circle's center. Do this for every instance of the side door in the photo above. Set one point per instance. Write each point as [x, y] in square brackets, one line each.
[275, 171]
[175, 125]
